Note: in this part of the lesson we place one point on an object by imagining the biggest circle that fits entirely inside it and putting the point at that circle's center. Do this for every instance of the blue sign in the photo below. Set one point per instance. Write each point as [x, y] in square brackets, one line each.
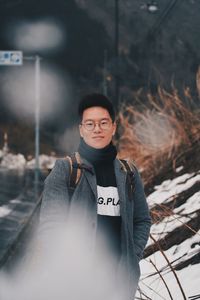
[11, 58]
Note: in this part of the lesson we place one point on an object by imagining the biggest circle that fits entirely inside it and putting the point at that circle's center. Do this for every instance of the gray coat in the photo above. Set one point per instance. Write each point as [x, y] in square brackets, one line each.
[135, 216]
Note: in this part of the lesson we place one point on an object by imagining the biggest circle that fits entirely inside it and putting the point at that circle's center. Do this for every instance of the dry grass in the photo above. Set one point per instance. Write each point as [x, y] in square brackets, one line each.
[156, 133]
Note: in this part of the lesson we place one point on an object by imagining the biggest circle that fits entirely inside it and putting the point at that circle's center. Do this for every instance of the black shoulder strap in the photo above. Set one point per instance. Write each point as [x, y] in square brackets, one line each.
[130, 177]
[74, 171]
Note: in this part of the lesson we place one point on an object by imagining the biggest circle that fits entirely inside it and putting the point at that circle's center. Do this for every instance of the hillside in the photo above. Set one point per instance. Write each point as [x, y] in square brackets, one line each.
[173, 250]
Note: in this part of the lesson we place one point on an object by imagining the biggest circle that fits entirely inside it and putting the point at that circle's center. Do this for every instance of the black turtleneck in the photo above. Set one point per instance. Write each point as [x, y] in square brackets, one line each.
[97, 156]
[109, 220]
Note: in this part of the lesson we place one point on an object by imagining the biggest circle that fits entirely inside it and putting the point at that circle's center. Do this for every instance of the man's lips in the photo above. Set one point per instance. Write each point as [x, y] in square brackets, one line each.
[98, 137]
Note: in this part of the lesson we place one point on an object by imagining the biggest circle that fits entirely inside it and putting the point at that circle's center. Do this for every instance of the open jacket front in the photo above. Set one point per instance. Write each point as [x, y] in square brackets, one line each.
[134, 212]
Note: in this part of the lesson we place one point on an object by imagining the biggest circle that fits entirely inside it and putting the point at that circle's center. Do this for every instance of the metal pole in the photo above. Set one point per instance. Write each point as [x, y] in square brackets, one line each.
[37, 119]
[117, 52]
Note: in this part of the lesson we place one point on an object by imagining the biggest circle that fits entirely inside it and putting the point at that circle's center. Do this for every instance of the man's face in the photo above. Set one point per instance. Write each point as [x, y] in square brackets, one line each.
[97, 127]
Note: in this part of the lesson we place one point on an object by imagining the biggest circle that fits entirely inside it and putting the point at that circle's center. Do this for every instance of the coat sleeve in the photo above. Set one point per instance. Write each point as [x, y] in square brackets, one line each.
[141, 217]
[55, 197]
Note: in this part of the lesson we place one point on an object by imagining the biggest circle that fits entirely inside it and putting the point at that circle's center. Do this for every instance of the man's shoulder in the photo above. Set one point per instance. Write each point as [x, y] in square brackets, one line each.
[60, 164]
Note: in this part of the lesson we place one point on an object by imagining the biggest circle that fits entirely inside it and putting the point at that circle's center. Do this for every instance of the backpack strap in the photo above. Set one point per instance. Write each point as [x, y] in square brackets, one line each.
[75, 171]
[129, 168]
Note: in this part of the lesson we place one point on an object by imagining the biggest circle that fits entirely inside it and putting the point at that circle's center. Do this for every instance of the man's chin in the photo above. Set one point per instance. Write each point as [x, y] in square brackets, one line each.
[98, 145]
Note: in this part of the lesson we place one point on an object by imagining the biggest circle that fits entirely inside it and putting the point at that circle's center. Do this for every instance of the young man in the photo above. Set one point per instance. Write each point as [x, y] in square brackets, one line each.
[113, 203]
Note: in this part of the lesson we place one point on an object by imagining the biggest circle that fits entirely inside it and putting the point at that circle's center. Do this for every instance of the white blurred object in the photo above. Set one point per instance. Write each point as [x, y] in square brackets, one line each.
[19, 91]
[61, 265]
[40, 35]
[69, 141]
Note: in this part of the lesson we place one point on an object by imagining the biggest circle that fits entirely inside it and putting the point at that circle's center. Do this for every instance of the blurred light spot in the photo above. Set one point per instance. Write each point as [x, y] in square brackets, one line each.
[35, 36]
[19, 91]
[155, 131]
[70, 139]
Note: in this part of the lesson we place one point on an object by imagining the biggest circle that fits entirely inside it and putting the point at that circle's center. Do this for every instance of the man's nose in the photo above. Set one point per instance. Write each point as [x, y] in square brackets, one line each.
[97, 127]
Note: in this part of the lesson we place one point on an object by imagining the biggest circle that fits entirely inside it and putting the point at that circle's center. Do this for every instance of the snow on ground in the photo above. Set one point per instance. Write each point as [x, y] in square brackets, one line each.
[176, 254]
[189, 276]
[12, 161]
[45, 161]
[178, 217]
[151, 283]
[168, 224]
[167, 189]
[18, 162]
[154, 287]
[191, 205]
[4, 211]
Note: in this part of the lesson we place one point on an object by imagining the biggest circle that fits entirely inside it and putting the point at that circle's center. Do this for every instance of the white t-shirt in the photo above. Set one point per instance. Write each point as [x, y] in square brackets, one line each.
[108, 202]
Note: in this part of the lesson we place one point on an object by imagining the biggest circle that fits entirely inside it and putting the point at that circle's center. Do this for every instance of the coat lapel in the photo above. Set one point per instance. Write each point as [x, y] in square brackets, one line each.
[91, 178]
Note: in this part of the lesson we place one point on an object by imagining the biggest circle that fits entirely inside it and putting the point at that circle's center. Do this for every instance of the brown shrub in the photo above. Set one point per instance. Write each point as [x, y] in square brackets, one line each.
[153, 135]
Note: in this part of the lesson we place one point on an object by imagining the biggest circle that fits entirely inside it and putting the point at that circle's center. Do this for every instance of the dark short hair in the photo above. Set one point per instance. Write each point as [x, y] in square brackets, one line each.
[96, 99]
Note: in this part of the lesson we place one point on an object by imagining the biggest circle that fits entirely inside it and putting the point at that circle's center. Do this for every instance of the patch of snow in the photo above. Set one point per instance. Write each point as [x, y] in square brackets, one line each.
[170, 188]
[45, 162]
[178, 217]
[175, 254]
[192, 204]
[12, 161]
[4, 211]
[15, 201]
[18, 161]
[179, 169]
[188, 277]
[151, 283]
[168, 224]
[188, 248]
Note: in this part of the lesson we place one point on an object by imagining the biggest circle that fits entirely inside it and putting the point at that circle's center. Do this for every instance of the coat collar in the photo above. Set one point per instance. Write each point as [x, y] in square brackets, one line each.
[89, 175]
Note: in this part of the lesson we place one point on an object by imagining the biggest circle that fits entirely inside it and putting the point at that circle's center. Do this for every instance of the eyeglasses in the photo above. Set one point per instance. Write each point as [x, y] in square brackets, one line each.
[103, 124]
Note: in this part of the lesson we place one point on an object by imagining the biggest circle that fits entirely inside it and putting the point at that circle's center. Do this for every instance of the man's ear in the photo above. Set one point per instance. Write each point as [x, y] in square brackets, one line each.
[114, 128]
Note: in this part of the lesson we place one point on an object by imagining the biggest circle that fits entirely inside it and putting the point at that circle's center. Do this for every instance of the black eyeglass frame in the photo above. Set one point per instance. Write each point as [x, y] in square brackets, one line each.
[110, 122]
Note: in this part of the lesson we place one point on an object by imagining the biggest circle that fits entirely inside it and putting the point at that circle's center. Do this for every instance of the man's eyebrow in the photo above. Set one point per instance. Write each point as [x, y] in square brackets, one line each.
[86, 120]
